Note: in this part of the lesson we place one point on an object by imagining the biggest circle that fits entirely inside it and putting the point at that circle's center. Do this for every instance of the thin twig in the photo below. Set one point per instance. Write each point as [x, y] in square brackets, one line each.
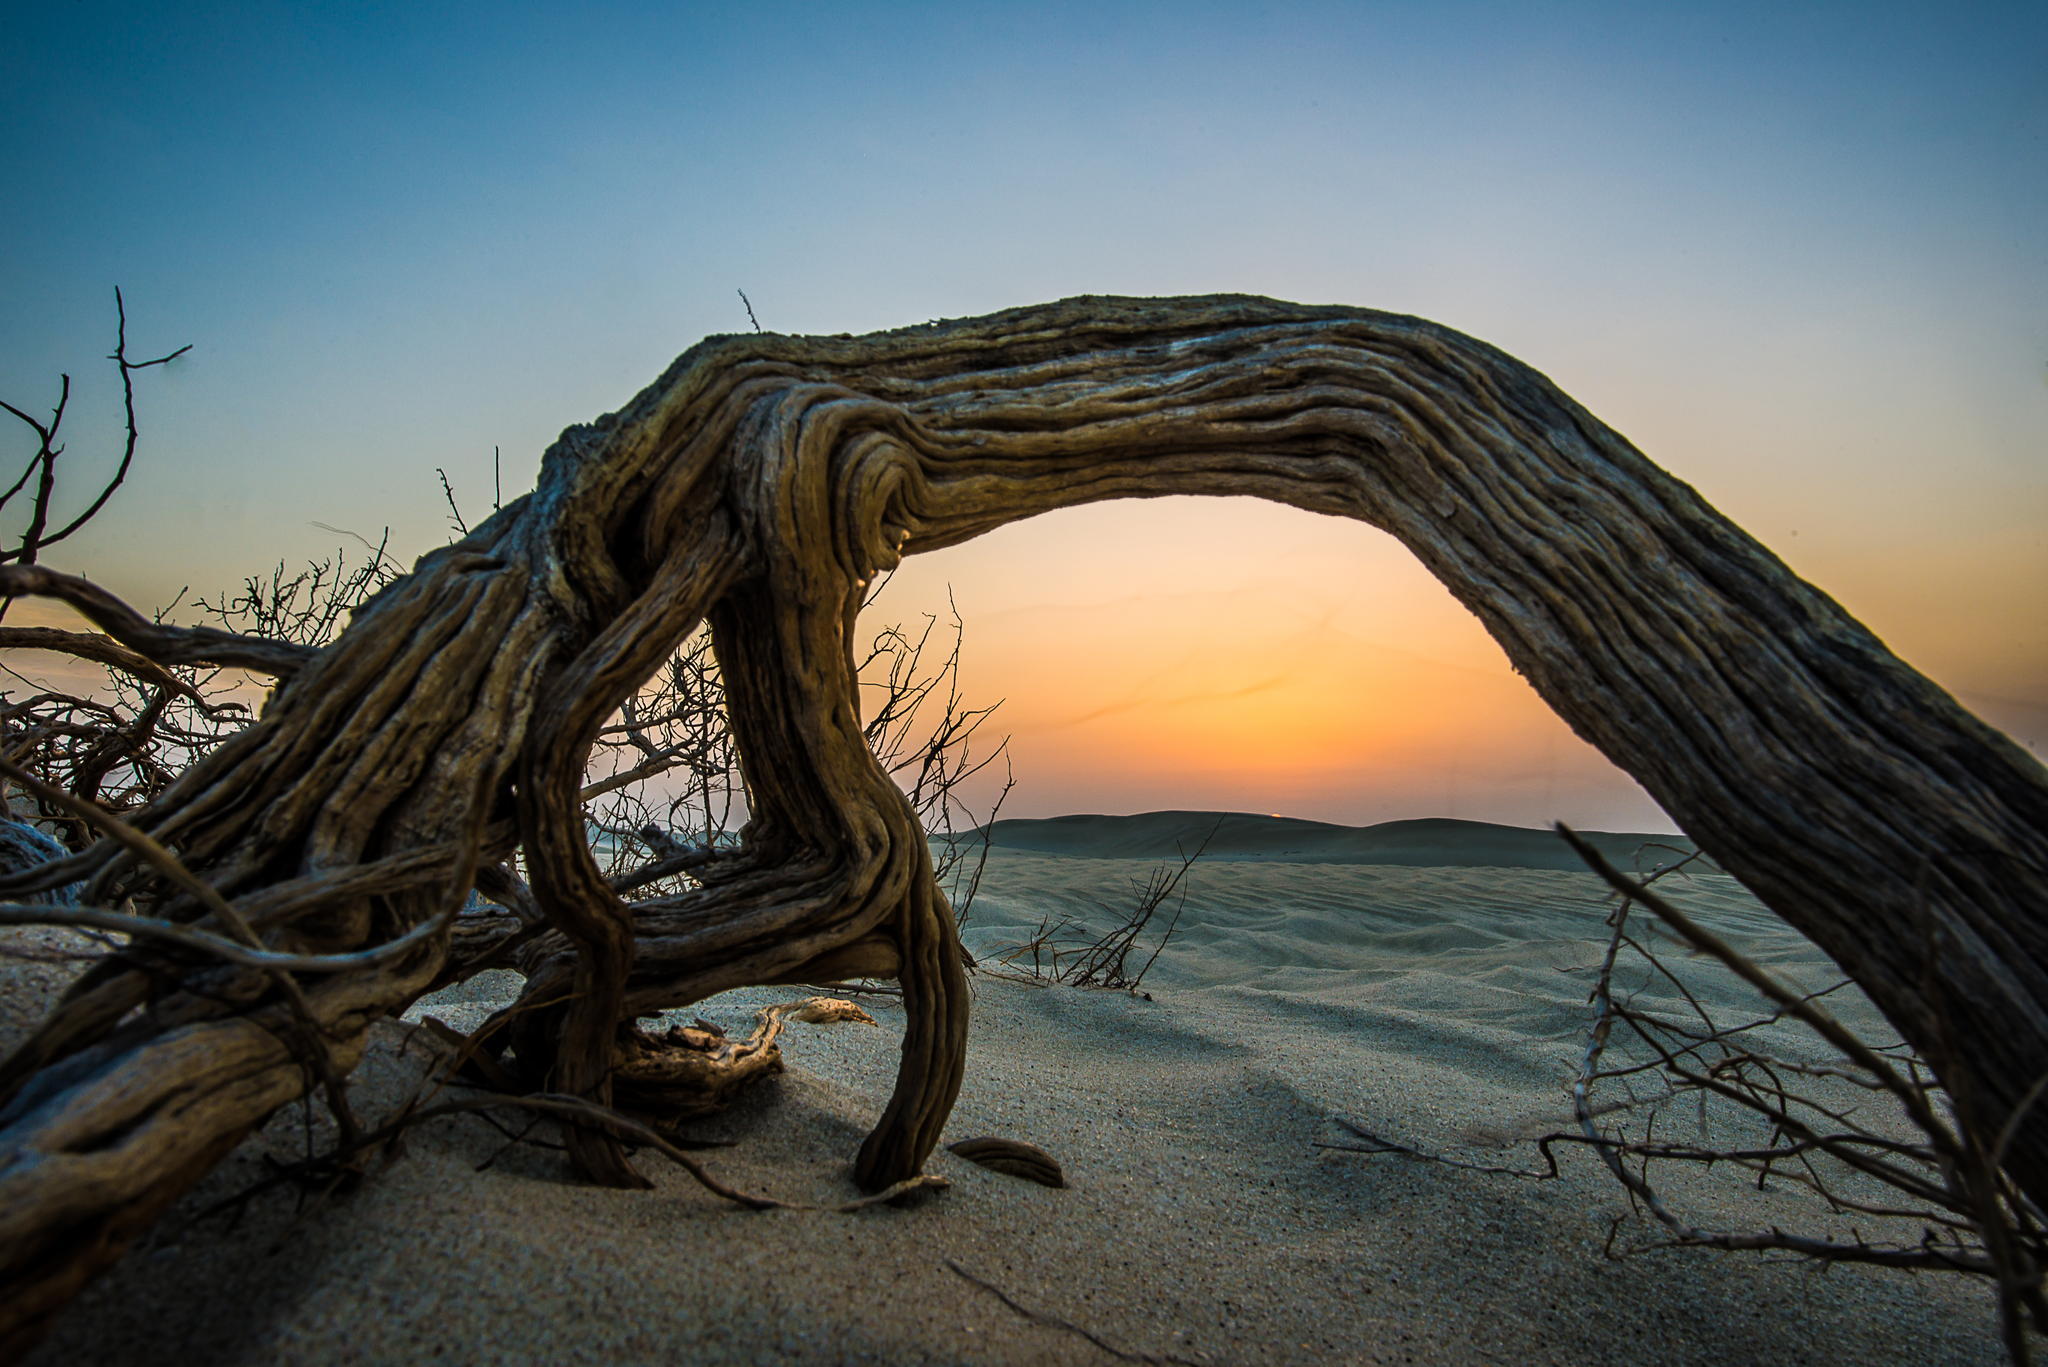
[1055, 1322]
[454, 513]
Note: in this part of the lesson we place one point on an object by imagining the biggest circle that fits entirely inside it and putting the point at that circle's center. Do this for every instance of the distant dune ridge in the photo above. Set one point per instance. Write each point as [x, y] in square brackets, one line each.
[1431, 842]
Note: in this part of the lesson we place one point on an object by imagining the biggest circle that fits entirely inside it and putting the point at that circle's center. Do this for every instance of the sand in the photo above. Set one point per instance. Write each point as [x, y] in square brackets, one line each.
[1439, 1004]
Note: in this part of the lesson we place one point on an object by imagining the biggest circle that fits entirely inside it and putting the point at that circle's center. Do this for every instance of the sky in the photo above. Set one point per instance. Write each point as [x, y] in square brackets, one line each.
[1794, 252]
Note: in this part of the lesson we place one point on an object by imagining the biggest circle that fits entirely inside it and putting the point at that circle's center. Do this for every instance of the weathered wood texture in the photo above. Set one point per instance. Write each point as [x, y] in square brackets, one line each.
[762, 482]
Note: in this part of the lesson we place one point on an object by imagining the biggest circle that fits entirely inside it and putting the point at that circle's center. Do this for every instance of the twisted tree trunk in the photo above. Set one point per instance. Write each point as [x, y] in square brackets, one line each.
[762, 482]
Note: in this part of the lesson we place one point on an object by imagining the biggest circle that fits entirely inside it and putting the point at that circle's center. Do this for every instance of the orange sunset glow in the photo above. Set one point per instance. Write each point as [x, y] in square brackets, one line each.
[1233, 655]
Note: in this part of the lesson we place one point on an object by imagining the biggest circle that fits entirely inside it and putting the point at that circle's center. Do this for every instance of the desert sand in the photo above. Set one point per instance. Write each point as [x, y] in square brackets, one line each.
[1426, 981]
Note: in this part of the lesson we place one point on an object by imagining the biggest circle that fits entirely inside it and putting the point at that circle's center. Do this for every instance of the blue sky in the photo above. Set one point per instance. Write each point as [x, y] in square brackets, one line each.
[1794, 252]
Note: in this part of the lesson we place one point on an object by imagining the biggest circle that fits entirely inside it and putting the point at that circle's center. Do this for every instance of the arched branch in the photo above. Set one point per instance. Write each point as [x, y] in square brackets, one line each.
[764, 480]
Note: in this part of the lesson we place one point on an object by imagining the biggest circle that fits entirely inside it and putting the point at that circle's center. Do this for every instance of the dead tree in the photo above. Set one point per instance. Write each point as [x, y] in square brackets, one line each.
[760, 484]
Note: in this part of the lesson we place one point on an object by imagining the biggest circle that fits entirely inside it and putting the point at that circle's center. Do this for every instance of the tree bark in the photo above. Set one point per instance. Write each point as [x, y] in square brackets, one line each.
[762, 482]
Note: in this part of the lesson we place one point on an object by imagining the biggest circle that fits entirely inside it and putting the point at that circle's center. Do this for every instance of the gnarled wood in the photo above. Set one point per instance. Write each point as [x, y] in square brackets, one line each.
[693, 1070]
[762, 482]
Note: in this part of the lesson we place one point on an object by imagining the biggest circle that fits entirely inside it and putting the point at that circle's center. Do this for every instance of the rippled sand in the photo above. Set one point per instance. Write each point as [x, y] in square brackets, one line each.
[1442, 1006]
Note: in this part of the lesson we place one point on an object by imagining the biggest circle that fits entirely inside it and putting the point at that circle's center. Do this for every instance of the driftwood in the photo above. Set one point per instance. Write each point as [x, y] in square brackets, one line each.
[761, 484]
[697, 1069]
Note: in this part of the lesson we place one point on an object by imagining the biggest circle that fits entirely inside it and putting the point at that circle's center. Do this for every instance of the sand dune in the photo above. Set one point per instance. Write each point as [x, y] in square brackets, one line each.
[1440, 1006]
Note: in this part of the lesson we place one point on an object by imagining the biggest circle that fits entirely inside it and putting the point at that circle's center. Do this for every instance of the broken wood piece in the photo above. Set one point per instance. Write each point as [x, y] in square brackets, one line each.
[1012, 1158]
[692, 1070]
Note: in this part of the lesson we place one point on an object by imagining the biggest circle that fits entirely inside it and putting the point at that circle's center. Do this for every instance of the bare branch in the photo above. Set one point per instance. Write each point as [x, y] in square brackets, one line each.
[164, 644]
